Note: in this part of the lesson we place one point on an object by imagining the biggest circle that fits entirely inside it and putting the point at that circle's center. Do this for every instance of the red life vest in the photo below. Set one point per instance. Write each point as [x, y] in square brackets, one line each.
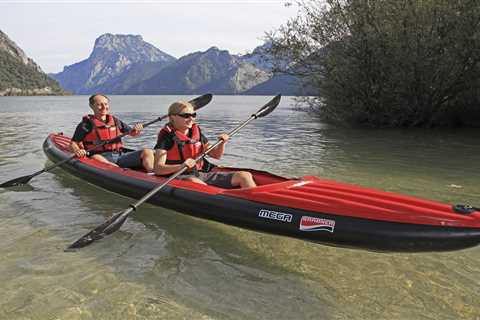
[102, 131]
[184, 147]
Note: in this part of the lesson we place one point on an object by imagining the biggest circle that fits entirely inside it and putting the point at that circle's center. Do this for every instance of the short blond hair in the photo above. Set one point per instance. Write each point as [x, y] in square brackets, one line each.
[177, 107]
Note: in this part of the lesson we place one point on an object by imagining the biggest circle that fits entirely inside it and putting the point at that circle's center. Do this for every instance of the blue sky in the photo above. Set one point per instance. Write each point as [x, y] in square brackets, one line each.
[58, 33]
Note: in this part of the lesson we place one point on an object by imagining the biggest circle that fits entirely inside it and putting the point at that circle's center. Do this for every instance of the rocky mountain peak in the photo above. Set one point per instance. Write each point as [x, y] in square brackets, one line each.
[10, 47]
[109, 40]
[126, 64]
[112, 55]
[213, 49]
[128, 47]
[221, 58]
[215, 52]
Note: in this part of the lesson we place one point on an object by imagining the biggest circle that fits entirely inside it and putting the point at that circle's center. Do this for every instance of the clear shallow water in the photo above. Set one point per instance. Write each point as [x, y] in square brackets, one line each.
[164, 265]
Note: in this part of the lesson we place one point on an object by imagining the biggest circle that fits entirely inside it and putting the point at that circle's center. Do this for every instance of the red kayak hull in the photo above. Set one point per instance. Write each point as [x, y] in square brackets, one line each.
[307, 208]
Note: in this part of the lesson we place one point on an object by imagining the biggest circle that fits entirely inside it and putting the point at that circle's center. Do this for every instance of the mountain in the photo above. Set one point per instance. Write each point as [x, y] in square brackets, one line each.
[132, 75]
[125, 64]
[20, 75]
[214, 71]
[113, 57]
[287, 85]
[259, 57]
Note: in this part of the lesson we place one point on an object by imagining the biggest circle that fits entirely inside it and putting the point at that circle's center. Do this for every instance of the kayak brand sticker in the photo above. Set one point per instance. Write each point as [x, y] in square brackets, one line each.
[316, 224]
[274, 215]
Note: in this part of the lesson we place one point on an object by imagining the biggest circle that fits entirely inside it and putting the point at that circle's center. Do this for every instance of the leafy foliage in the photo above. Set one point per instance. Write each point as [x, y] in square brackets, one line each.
[401, 63]
[15, 74]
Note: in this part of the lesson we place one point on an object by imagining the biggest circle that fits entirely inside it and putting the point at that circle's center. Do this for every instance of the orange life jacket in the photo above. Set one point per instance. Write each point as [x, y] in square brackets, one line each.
[102, 131]
[184, 147]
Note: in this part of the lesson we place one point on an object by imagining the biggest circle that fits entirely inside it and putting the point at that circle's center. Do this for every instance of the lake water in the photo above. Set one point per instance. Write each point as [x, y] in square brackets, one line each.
[165, 265]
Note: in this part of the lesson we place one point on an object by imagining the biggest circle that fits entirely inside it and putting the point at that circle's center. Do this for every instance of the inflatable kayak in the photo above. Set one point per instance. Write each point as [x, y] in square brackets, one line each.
[308, 208]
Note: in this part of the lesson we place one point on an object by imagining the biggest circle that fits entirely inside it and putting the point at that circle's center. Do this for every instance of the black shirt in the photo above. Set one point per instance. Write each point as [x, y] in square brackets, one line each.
[84, 127]
[165, 140]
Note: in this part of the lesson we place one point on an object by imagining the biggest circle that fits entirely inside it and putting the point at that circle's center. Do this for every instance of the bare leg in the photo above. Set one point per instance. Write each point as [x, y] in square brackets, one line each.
[147, 159]
[244, 179]
[101, 158]
[194, 179]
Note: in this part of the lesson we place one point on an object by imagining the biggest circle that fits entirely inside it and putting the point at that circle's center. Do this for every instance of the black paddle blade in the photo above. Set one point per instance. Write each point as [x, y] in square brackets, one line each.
[201, 101]
[465, 208]
[106, 228]
[16, 182]
[268, 107]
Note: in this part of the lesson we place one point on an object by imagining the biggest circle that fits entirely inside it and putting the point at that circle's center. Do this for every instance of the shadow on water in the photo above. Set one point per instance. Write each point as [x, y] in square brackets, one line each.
[20, 188]
[112, 275]
[195, 260]
[198, 261]
[188, 235]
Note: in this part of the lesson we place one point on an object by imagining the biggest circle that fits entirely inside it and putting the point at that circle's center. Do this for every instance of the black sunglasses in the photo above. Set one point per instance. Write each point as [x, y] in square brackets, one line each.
[187, 115]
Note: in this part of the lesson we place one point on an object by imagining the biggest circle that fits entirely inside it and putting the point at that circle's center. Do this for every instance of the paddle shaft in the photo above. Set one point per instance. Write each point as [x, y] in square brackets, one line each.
[97, 146]
[115, 222]
[185, 168]
[197, 103]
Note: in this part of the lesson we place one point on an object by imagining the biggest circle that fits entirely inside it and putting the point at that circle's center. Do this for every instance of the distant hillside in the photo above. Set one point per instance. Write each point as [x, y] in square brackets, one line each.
[112, 56]
[258, 57]
[131, 76]
[20, 75]
[282, 83]
[125, 64]
[214, 71]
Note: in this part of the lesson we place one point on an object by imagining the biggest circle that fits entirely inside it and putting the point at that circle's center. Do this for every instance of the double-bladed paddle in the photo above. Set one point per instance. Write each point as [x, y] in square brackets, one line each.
[117, 220]
[465, 208]
[197, 103]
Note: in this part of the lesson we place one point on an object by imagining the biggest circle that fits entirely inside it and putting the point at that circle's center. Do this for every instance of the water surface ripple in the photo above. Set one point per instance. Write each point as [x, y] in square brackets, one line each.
[164, 265]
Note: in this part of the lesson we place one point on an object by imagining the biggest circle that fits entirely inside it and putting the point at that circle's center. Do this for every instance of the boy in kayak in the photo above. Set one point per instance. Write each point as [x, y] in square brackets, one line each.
[102, 126]
[181, 140]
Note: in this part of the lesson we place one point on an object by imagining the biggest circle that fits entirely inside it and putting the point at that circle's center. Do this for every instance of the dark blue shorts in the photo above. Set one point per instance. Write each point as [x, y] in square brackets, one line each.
[125, 159]
[217, 179]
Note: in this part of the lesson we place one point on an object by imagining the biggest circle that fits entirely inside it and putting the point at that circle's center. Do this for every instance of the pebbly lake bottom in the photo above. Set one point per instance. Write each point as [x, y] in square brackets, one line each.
[165, 265]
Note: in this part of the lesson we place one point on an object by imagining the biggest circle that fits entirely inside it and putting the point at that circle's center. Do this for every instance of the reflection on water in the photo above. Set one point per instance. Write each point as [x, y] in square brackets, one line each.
[164, 265]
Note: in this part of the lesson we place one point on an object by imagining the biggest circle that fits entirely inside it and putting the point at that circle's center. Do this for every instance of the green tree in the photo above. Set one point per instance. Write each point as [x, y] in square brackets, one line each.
[400, 63]
[15, 74]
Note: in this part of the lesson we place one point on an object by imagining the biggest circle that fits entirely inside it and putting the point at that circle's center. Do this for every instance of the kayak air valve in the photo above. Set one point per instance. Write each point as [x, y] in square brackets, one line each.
[464, 208]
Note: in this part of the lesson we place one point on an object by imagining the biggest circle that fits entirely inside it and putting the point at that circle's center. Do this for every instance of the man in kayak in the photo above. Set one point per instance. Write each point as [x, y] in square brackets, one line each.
[94, 130]
[181, 140]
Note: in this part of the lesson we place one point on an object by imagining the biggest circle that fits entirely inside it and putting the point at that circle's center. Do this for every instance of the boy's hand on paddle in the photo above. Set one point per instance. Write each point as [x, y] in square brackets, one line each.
[137, 128]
